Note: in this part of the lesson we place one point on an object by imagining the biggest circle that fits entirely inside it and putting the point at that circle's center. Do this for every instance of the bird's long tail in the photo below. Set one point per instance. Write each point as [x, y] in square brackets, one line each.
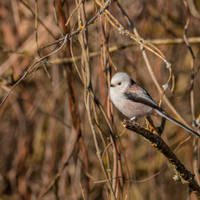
[165, 115]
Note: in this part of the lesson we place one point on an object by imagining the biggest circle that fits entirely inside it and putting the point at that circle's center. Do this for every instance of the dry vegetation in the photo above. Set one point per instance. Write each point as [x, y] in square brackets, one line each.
[57, 126]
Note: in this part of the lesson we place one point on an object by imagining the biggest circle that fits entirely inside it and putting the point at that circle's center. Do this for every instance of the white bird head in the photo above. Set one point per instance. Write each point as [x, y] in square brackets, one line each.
[120, 82]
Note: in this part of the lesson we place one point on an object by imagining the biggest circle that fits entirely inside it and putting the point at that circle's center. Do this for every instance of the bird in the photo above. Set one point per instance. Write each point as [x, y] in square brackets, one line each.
[135, 102]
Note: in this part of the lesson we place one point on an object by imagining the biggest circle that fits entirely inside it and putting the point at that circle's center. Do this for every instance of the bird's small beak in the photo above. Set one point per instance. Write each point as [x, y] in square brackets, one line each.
[111, 85]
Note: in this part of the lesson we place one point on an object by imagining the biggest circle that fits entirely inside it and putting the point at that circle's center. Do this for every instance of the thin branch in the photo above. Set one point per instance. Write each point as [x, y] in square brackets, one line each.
[67, 36]
[41, 22]
[196, 141]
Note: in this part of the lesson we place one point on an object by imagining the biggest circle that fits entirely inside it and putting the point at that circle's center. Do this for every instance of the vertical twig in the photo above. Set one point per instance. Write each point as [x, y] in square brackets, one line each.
[196, 140]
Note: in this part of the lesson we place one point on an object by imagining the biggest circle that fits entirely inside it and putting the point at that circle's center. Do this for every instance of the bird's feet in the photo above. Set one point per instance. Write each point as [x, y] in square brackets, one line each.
[133, 120]
[150, 125]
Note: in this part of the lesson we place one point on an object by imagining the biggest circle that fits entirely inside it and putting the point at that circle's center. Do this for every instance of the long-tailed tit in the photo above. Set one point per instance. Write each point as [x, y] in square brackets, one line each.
[135, 102]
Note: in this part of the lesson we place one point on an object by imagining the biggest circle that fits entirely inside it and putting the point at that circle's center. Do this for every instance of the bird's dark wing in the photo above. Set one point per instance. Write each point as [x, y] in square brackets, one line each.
[143, 98]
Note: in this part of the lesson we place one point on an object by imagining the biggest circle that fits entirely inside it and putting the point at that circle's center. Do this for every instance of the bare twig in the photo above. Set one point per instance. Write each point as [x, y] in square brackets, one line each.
[196, 141]
[68, 36]
[193, 10]
[49, 31]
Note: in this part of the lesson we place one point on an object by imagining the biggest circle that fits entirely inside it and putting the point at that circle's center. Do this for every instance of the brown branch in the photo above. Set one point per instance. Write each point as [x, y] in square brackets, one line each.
[193, 10]
[192, 40]
[41, 22]
[196, 141]
[64, 40]
[184, 175]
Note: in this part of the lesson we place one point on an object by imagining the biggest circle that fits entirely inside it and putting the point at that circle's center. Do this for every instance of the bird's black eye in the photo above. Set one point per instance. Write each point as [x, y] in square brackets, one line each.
[119, 83]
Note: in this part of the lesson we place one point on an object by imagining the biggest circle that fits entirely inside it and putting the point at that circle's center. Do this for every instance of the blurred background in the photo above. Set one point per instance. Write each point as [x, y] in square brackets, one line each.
[54, 139]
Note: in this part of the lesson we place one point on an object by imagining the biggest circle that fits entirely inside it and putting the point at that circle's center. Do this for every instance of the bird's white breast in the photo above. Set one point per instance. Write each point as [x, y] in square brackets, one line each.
[127, 107]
